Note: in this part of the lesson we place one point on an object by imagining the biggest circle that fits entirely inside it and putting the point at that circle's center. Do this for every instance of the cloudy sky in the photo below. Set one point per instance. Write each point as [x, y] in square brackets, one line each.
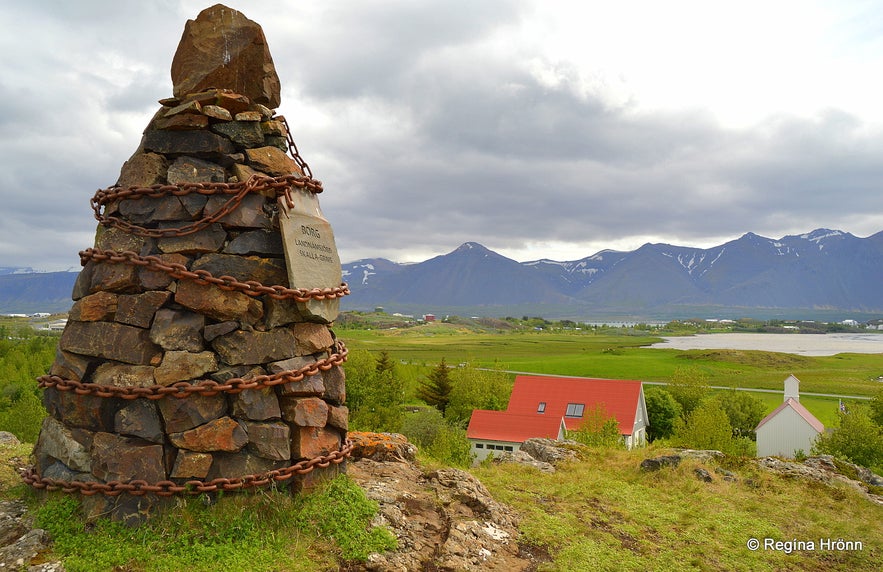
[541, 129]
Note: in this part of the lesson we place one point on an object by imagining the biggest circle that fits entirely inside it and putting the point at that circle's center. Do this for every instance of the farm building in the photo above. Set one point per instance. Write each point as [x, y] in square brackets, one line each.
[788, 429]
[539, 403]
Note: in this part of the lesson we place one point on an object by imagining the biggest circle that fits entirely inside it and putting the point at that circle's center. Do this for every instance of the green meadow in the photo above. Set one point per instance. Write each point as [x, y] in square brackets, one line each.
[625, 354]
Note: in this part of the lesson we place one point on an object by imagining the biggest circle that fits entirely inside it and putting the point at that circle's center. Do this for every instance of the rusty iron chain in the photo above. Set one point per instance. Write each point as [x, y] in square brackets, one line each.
[191, 487]
[204, 387]
[292, 148]
[281, 186]
[204, 277]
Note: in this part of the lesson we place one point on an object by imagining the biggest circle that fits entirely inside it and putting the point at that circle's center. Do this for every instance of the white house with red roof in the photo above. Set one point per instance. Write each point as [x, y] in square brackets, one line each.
[789, 428]
[539, 404]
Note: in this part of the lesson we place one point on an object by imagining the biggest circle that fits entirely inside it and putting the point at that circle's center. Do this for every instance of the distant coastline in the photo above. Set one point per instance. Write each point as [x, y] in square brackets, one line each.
[799, 344]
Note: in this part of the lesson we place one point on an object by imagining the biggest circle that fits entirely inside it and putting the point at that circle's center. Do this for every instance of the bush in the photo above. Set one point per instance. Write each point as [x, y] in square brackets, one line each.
[743, 410]
[858, 440]
[23, 417]
[662, 410]
[422, 427]
[437, 439]
[474, 388]
[707, 427]
[598, 429]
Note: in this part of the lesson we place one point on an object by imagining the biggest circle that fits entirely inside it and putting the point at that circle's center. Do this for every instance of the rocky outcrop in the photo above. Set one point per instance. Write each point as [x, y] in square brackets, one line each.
[827, 470]
[542, 454]
[444, 520]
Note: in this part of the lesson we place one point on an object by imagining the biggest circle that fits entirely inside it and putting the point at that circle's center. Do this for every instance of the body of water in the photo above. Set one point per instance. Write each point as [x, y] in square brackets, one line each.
[800, 344]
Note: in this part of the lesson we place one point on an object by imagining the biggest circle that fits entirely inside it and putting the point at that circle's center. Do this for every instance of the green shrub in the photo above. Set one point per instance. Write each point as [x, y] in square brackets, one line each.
[342, 512]
[707, 427]
[858, 439]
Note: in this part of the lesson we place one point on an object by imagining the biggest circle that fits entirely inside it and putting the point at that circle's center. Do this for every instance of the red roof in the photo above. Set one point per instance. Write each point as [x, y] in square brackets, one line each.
[504, 426]
[799, 409]
[620, 398]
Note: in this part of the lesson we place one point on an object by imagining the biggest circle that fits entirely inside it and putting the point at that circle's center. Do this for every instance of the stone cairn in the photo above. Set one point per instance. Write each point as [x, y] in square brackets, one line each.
[199, 355]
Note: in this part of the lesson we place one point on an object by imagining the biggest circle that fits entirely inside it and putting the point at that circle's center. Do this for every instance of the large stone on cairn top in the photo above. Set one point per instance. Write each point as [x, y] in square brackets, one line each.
[224, 49]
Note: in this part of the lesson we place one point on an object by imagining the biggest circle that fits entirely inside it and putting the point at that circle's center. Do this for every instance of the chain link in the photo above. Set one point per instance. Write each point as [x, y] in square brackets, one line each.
[281, 186]
[204, 277]
[204, 387]
[191, 487]
[292, 148]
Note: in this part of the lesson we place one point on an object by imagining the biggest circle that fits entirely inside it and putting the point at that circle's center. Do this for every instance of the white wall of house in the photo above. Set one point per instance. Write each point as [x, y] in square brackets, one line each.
[638, 438]
[481, 448]
[784, 434]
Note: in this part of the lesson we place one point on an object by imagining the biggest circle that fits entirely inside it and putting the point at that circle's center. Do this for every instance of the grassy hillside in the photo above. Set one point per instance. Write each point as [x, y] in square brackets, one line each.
[597, 514]
[604, 513]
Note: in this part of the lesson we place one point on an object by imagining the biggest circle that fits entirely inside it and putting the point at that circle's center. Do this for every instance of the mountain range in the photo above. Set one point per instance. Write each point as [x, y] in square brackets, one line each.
[824, 274]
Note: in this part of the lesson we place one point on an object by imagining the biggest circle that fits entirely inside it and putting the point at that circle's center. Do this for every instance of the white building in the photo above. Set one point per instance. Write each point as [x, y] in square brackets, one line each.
[788, 429]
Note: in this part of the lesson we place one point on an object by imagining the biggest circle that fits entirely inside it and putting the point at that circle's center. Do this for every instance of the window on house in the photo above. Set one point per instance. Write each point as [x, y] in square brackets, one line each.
[541, 408]
[479, 445]
[575, 409]
[507, 448]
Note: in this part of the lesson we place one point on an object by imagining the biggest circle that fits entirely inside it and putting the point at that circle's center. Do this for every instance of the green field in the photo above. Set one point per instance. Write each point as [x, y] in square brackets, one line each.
[624, 356]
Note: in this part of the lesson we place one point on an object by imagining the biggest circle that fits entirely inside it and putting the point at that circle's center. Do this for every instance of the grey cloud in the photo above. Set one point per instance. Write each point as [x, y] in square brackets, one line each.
[434, 139]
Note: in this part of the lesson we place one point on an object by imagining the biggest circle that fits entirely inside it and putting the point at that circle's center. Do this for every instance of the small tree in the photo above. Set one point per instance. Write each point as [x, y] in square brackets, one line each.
[662, 410]
[706, 427]
[436, 390]
[858, 439]
[384, 363]
[743, 410]
[474, 388]
[689, 386]
[374, 395]
[598, 429]
[436, 438]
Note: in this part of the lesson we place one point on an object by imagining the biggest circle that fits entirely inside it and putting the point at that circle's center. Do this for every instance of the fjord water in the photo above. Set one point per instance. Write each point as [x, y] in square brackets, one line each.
[800, 344]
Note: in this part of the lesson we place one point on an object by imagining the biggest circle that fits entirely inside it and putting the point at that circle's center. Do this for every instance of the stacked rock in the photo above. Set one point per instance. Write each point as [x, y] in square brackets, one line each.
[191, 360]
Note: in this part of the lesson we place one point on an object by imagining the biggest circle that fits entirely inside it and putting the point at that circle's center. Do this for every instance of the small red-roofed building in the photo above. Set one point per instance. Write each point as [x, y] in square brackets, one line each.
[503, 432]
[539, 403]
[789, 428]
